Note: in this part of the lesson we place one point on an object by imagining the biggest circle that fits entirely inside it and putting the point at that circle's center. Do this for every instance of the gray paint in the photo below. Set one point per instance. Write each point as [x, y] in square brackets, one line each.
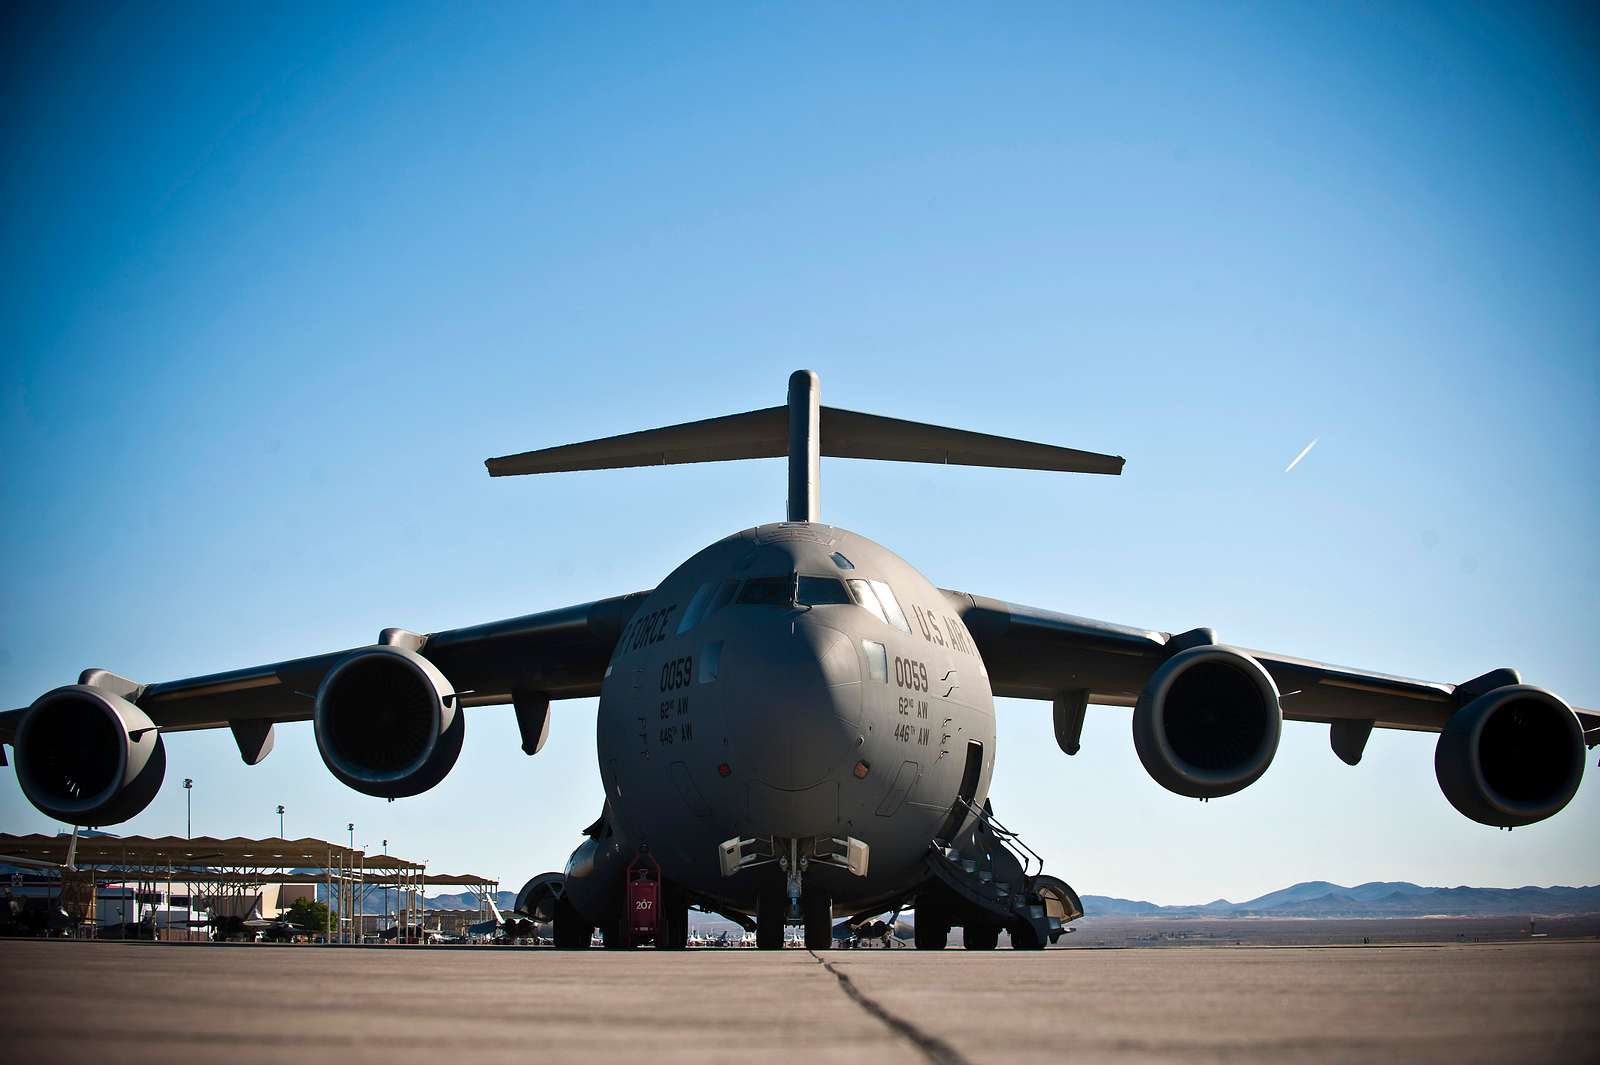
[792, 709]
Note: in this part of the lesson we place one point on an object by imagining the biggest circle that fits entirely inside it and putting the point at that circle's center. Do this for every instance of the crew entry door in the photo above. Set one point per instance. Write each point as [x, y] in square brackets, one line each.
[965, 794]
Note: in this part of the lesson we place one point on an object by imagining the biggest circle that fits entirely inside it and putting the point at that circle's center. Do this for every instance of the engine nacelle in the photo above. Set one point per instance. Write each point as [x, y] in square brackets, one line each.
[1207, 723]
[538, 897]
[1510, 757]
[388, 723]
[88, 757]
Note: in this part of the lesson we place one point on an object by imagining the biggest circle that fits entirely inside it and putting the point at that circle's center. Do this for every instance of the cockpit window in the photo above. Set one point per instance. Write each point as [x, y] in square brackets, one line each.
[821, 591]
[768, 591]
[712, 597]
[842, 562]
[867, 599]
[877, 660]
[790, 590]
[696, 608]
[891, 607]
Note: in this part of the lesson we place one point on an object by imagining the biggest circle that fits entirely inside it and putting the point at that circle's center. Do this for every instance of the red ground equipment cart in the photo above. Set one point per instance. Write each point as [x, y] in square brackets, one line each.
[645, 920]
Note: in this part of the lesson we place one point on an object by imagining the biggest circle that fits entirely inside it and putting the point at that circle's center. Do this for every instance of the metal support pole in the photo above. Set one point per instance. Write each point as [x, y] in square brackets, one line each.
[805, 445]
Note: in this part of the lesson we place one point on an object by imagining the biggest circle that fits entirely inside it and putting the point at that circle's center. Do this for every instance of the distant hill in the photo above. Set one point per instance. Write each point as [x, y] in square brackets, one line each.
[1313, 898]
[1319, 898]
[467, 900]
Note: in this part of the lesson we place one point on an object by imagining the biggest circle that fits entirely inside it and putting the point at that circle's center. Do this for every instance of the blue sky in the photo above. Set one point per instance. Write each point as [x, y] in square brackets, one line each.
[278, 280]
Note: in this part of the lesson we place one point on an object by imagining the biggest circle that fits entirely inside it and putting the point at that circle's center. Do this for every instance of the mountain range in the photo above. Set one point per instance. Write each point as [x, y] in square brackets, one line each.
[1313, 898]
[1319, 898]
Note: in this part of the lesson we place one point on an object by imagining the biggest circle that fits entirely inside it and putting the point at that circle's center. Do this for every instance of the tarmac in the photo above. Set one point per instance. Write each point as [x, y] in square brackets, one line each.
[143, 1002]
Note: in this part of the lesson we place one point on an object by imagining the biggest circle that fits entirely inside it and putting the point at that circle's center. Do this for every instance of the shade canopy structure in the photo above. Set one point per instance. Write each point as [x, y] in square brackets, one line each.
[236, 866]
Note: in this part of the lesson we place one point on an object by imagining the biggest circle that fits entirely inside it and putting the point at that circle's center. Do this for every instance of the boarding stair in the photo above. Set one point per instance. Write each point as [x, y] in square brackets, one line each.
[999, 880]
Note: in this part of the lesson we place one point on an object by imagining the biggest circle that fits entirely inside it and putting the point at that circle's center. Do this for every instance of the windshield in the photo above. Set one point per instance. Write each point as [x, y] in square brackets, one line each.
[891, 607]
[867, 599]
[792, 590]
[822, 591]
[712, 597]
[768, 591]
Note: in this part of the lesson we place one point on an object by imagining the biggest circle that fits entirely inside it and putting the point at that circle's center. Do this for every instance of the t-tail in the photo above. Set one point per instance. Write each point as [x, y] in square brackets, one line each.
[805, 431]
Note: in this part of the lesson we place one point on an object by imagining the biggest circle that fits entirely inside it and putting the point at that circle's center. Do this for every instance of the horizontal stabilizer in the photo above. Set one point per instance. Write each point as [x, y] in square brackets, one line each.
[847, 434]
[755, 434]
[761, 434]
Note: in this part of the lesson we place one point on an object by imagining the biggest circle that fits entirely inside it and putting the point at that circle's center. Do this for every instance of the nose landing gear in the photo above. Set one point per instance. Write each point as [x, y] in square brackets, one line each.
[782, 897]
[817, 909]
[773, 917]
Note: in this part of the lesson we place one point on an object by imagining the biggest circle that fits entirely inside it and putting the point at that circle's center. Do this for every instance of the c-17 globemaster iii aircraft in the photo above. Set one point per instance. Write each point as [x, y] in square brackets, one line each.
[796, 724]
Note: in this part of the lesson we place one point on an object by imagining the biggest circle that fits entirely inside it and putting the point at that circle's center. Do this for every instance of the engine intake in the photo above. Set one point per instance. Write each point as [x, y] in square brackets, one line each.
[538, 897]
[388, 723]
[1510, 757]
[1207, 723]
[88, 757]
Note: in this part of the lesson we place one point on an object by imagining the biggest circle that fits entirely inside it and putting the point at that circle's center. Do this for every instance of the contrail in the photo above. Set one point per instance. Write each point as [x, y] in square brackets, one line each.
[1303, 453]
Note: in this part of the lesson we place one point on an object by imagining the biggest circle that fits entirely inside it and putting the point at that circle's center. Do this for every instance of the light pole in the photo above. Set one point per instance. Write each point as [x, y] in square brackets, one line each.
[188, 801]
[348, 894]
[280, 820]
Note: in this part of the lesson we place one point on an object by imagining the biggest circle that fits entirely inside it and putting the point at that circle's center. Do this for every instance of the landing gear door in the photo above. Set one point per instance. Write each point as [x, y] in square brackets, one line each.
[856, 853]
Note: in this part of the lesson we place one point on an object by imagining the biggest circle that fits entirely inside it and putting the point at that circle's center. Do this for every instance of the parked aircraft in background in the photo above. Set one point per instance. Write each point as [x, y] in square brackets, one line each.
[512, 928]
[417, 933]
[877, 931]
[32, 916]
[797, 723]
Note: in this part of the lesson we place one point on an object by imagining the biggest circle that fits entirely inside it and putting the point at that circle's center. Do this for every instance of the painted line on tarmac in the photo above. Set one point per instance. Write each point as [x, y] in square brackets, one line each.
[933, 1048]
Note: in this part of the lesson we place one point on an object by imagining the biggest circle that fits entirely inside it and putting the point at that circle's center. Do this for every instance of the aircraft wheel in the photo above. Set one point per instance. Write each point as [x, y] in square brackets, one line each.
[1023, 937]
[931, 931]
[931, 926]
[819, 921]
[675, 915]
[571, 931]
[772, 908]
[980, 936]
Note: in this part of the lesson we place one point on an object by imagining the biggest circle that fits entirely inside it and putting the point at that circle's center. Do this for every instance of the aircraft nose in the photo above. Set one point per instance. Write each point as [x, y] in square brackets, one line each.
[796, 707]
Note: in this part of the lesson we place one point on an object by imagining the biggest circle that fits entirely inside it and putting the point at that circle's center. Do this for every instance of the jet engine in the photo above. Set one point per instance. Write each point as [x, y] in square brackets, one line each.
[538, 897]
[388, 723]
[88, 757]
[1510, 757]
[1207, 723]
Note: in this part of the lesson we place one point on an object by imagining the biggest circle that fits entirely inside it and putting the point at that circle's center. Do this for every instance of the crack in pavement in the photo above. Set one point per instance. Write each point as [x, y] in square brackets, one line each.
[933, 1048]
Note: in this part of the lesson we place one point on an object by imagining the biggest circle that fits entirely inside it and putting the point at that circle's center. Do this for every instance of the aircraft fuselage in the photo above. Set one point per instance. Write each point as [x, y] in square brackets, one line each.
[758, 692]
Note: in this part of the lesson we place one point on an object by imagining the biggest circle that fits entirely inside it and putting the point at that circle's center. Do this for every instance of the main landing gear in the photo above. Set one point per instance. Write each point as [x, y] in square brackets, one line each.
[571, 930]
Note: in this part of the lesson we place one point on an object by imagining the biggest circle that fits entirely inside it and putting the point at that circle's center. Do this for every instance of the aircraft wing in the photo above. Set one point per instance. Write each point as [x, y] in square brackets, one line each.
[559, 653]
[1032, 653]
